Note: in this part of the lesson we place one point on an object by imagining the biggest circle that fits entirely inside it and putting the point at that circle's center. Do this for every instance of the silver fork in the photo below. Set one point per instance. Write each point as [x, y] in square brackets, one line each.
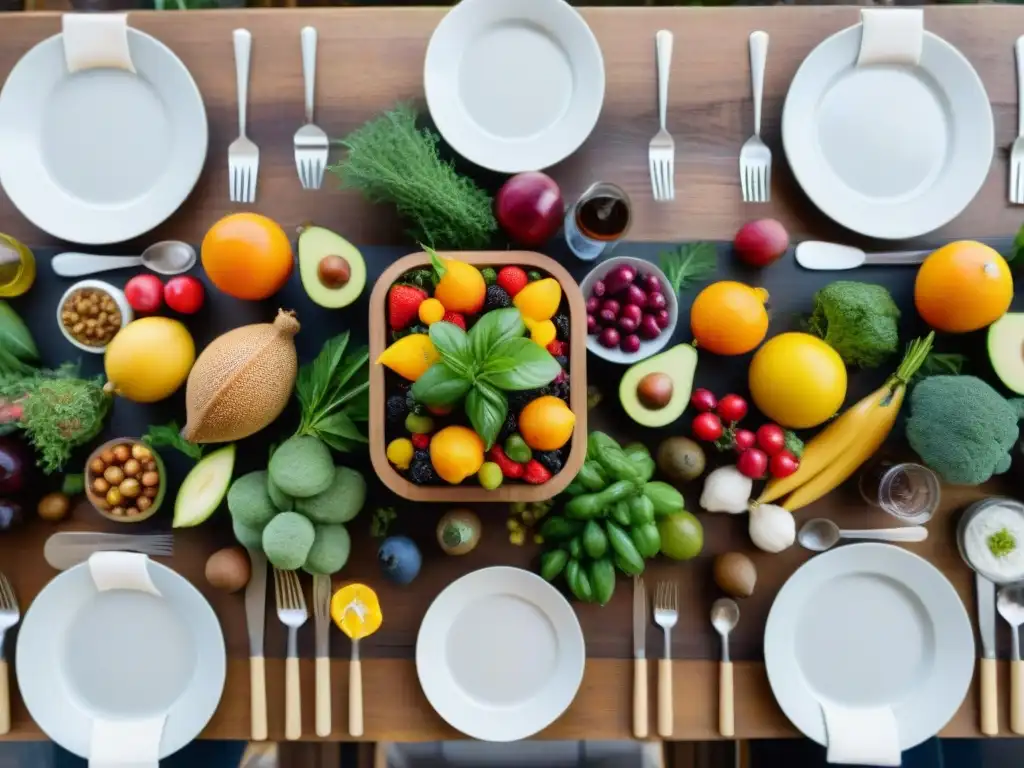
[1017, 153]
[291, 610]
[661, 153]
[321, 613]
[755, 157]
[666, 614]
[243, 154]
[310, 140]
[9, 616]
[65, 549]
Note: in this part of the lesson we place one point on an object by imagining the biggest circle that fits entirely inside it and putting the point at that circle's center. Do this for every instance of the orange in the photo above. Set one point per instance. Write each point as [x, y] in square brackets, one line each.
[456, 453]
[247, 256]
[460, 286]
[546, 423]
[962, 287]
[356, 611]
[729, 318]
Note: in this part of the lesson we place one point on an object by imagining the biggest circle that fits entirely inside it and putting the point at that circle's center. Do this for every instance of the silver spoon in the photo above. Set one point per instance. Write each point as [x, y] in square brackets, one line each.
[1010, 604]
[814, 254]
[168, 257]
[820, 534]
[725, 615]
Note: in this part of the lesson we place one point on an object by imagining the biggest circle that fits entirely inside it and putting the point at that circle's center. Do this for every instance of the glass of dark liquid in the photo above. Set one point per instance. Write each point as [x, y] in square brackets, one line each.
[597, 220]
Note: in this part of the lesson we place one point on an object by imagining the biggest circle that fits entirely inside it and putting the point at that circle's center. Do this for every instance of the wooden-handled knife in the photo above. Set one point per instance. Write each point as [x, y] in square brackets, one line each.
[255, 612]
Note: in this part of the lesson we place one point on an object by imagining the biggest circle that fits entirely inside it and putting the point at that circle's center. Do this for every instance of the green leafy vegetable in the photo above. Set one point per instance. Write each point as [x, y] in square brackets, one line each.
[942, 364]
[690, 264]
[333, 393]
[15, 338]
[858, 320]
[390, 160]
[793, 443]
[169, 435]
[1001, 543]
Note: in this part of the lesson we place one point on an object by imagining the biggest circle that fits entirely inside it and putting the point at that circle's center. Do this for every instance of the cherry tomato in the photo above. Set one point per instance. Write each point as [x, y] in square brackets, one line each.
[144, 293]
[752, 463]
[707, 427]
[771, 438]
[184, 294]
[743, 439]
[703, 400]
[732, 408]
[783, 464]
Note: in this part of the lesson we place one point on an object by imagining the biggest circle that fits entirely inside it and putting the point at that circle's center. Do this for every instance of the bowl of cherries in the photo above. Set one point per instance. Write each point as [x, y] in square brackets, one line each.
[631, 309]
[770, 451]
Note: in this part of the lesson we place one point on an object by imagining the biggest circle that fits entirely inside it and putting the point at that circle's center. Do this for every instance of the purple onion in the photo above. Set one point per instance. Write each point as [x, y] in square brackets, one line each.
[598, 289]
[593, 304]
[651, 283]
[611, 305]
[592, 325]
[619, 278]
[627, 324]
[649, 327]
[633, 312]
[656, 301]
[607, 317]
[630, 344]
[609, 338]
[635, 295]
[661, 317]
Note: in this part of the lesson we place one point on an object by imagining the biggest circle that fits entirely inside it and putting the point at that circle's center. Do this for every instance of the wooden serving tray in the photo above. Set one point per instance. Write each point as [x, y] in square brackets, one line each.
[577, 381]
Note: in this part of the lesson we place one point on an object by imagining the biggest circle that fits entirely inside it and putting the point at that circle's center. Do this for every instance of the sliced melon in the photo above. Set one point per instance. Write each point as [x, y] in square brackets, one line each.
[204, 488]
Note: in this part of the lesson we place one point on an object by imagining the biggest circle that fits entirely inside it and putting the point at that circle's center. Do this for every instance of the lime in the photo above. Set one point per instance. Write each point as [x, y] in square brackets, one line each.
[490, 475]
[682, 537]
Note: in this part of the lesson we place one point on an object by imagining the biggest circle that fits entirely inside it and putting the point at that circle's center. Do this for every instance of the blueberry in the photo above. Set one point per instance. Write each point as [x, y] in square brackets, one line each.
[396, 409]
[551, 460]
[399, 559]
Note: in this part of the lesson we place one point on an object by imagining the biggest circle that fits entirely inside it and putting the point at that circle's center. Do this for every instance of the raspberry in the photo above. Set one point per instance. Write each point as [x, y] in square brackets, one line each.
[455, 318]
[536, 473]
[509, 468]
[558, 348]
[420, 442]
[512, 279]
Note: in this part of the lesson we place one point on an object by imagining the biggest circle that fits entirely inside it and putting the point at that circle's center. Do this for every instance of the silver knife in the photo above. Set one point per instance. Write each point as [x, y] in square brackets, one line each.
[255, 611]
[987, 633]
[321, 613]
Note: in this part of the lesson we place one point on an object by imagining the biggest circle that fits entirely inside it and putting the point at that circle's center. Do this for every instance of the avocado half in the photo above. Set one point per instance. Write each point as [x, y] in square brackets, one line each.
[323, 275]
[1006, 350]
[656, 391]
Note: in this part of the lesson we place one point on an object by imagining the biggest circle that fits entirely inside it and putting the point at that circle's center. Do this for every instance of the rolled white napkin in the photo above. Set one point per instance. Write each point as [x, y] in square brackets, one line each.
[96, 40]
[121, 570]
[861, 735]
[891, 36]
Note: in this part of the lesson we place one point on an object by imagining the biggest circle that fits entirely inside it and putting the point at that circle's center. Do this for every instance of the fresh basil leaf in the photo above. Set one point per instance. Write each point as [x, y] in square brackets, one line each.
[492, 329]
[358, 408]
[534, 367]
[452, 344]
[340, 425]
[353, 363]
[315, 379]
[486, 408]
[440, 386]
[339, 444]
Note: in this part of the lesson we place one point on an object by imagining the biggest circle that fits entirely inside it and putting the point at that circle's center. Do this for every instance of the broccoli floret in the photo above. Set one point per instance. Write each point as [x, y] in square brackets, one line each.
[858, 320]
[962, 428]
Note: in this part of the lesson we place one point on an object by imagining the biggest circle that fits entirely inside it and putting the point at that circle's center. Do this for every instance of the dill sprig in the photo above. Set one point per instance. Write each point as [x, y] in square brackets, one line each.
[390, 160]
[689, 264]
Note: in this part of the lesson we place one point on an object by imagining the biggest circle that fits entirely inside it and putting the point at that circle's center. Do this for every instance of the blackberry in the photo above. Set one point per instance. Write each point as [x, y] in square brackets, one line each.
[396, 409]
[496, 298]
[511, 425]
[422, 473]
[421, 454]
[551, 460]
[412, 405]
[563, 361]
[562, 326]
[559, 389]
[518, 400]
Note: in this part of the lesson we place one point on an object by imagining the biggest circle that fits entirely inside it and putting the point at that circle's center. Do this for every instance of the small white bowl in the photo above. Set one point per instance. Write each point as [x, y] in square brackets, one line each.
[127, 315]
[647, 347]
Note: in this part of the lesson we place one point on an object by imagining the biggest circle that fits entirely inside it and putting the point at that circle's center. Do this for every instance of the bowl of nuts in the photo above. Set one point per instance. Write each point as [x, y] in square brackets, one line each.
[125, 480]
[91, 312]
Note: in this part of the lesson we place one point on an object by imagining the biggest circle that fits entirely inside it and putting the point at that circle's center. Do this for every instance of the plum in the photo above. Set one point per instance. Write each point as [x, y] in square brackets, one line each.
[656, 301]
[592, 325]
[619, 278]
[609, 338]
[634, 295]
[630, 344]
[649, 327]
[761, 242]
[593, 304]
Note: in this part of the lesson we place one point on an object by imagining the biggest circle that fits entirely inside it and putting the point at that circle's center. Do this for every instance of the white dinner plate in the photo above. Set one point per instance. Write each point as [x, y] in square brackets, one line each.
[101, 155]
[500, 654]
[514, 85]
[84, 654]
[869, 625]
[888, 151]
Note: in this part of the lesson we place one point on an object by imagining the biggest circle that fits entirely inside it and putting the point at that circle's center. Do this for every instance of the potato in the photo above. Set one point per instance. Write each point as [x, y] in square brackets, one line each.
[228, 569]
[735, 574]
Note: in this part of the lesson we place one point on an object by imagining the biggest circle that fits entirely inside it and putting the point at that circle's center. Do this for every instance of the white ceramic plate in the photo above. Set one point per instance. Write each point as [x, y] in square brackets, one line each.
[514, 85]
[888, 151]
[869, 625]
[500, 654]
[102, 155]
[122, 653]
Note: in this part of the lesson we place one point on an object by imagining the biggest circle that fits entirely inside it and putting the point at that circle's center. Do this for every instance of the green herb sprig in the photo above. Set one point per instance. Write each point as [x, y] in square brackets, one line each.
[333, 392]
[689, 264]
[1002, 543]
[492, 358]
[169, 435]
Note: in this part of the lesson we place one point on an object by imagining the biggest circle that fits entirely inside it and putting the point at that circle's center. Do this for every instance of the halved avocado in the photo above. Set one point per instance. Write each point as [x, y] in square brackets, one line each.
[1006, 350]
[656, 391]
[332, 269]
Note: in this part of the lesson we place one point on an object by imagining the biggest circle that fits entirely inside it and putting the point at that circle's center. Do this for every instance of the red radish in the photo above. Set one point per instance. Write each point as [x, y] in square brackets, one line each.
[662, 318]
[752, 463]
[530, 208]
[703, 400]
[145, 293]
[707, 427]
[760, 243]
[630, 344]
[609, 338]
[649, 327]
[619, 278]
[743, 439]
[592, 325]
[635, 295]
[771, 438]
[732, 408]
[783, 464]
[184, 294]
[593, 304]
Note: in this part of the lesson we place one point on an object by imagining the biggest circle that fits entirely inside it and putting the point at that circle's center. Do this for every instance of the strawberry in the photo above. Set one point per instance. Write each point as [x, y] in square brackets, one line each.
[557, 348]
[420, 442]
[509, 468]
[455, 318]
[512, 279]
[536, 473]
[404, 305]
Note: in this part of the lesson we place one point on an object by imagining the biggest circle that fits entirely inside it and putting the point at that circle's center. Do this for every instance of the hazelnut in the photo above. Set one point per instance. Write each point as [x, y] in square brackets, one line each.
[132, 467]
[131, 512]
[122, 453]
[96, 466]
[100, 486]
[130, 488]
[117, 511]
[107, 456]
[150, 478]
[114, 497]
[150, 492]
[141, 452]
[113, 474]
[143, 503]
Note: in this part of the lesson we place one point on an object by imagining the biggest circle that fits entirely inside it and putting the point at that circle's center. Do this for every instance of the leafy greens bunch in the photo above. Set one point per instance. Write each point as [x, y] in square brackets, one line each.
[333, 393]
[492, 358]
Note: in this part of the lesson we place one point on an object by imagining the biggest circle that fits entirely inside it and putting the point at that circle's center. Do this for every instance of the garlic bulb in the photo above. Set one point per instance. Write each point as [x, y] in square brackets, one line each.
[726, 490]
[772, 528]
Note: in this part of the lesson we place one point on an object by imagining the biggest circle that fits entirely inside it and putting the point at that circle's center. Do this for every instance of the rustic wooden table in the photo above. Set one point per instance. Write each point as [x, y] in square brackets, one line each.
[369, 59]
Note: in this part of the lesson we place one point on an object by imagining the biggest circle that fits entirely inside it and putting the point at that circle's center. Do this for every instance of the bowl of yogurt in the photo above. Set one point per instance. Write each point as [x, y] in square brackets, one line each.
[990, 536]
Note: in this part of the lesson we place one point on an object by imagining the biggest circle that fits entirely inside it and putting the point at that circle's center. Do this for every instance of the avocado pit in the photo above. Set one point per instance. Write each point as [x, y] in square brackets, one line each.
[654, 391]
[334, 271]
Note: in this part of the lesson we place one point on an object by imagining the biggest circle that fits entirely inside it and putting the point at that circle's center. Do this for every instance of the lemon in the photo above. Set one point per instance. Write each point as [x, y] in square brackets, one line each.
[797, 380]
[410, 356]
[149, 359]
[539, 300]
[456, 453]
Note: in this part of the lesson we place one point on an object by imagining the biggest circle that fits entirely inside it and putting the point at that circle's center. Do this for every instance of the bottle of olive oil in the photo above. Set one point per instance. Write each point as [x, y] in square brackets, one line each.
[17, 267]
